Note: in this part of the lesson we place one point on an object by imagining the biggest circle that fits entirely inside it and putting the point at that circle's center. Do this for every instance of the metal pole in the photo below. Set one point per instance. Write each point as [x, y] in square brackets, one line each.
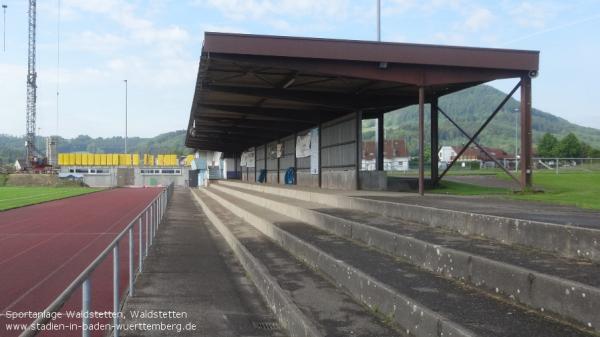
[421, 140]
[358, 137]
[125, 116]
[86, 304]
[131, 257]
[116, 302]
[151, 224]
[379, 20]
[434, 132]
[516, 138]
[140, 252]
[146, 242]
[4, 29]
[526, 133]
[380, 143]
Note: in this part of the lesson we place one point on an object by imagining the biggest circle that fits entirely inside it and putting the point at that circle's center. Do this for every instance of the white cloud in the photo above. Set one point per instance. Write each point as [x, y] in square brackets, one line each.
[478, 19]
[89, 41]
[311, 13]
[534, 14]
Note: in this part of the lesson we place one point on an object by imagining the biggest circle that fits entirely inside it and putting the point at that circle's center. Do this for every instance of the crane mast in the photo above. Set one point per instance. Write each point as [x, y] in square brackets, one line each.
[31, 151]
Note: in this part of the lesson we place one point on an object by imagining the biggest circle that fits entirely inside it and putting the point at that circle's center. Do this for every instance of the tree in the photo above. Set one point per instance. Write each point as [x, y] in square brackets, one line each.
[569, 147]
[548, 146]
[588, 151]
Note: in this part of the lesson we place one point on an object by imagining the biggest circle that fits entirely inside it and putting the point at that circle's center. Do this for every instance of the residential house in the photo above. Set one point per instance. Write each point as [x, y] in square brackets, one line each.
[395, 155]
[448, 153]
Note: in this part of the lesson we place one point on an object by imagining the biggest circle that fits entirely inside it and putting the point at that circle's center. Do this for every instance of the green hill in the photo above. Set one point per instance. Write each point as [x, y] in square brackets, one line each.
[470, 108]
[12, 147]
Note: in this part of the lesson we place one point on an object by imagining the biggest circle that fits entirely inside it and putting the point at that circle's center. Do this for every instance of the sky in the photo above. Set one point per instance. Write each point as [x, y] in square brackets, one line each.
[156, 45]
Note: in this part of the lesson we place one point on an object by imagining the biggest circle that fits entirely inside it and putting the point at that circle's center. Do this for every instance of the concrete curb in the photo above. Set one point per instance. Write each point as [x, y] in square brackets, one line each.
[288, 315]
[401, 309]
[564, 240]
[541, 291]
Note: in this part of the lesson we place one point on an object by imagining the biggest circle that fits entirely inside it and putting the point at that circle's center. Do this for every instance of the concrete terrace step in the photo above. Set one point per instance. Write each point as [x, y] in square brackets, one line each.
[578, 240]
[421, 302]
[314, 306]
[566, 287]
[190, 269]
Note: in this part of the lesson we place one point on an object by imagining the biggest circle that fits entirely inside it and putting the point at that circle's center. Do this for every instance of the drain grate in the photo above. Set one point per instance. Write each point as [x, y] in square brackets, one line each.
[266, 325]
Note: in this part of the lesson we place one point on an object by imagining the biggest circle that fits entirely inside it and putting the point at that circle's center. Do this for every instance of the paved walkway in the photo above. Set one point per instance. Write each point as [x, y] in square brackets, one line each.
[191, 272]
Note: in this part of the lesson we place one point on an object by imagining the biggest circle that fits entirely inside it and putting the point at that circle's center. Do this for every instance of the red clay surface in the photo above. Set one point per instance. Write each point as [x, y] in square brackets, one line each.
[44, 247]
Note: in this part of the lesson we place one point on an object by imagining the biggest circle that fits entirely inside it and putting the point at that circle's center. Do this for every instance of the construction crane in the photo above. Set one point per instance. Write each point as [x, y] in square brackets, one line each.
[33, 159]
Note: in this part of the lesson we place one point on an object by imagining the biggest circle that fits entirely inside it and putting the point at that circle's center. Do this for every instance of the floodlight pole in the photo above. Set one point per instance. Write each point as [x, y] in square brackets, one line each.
[4, 28]
[125, 116]
[379, 20]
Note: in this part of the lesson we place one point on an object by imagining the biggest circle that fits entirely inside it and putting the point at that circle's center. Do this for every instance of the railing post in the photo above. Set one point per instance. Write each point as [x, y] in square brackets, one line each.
[140, 252]
[86, 303]
[146, 242]
[151, 223]
[116, 302]
[131, 257]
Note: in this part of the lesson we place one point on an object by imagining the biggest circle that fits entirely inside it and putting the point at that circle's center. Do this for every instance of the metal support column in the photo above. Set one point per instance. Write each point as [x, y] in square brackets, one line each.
[295, 159]
[380, 142]
[526, 133]
[434, 140]
[358, 147]
[278, 162]
[421, 140]
[320, 156]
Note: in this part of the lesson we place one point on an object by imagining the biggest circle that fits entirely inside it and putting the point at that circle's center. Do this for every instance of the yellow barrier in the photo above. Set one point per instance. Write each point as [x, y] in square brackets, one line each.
[122, 159]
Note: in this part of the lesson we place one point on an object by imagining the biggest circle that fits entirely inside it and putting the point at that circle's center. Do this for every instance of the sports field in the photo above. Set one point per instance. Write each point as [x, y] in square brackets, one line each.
[17, 196]
[575, 188]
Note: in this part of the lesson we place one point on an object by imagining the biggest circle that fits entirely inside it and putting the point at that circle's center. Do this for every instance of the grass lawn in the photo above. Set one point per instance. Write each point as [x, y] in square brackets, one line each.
[577, 188]
[11, 197]
[581, 189]
[451, 187]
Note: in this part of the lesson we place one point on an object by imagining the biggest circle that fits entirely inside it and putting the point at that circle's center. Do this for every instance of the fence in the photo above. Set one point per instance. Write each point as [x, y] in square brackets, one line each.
[153, 214]
[559, 165]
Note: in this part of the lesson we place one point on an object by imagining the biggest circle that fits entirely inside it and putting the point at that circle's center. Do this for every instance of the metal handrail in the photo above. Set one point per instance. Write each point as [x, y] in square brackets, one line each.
[153, 212]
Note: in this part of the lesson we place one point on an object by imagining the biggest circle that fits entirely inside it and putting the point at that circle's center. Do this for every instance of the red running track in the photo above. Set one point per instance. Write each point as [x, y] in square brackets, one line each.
[44, 247]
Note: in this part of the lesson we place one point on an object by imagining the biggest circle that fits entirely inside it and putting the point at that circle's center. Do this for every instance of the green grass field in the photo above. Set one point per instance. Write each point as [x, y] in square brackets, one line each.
[575, 188]
[11, 197]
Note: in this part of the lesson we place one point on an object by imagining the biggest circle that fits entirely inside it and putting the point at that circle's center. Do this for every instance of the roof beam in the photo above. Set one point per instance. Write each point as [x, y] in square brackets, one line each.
[253, 124]
[327, 99]
[308, 97]
[301, 115]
